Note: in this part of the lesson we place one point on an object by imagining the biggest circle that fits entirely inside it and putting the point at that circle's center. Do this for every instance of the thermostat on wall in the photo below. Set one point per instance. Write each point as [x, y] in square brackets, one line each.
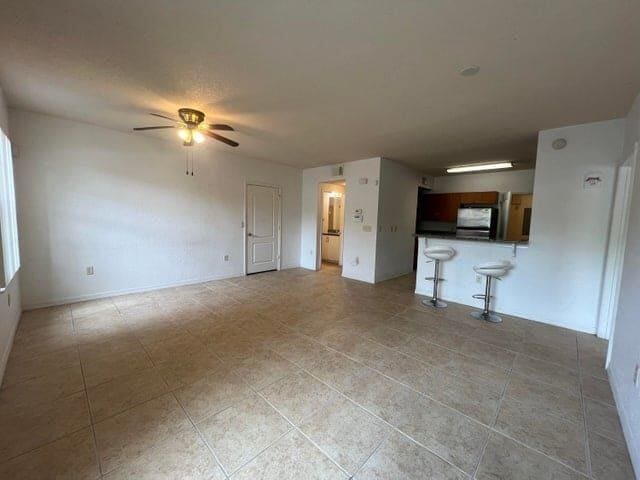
[593, 180]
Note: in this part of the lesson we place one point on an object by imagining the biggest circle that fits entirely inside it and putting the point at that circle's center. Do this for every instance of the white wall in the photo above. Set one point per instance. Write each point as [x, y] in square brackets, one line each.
[557, 278]
[625, 352]
[121, 202]
[396, 220]
[517, 181]
[359, 238]
[9, 313]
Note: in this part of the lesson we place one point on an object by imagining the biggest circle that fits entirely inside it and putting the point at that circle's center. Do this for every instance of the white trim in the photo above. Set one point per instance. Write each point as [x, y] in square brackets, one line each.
[7, 350]
[279, 215]
[632, 443]
[150, 288]
[612, 274]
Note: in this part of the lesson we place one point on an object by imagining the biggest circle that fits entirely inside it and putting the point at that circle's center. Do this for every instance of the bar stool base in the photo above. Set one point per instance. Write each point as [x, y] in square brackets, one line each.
[487, 317]
[434, 303]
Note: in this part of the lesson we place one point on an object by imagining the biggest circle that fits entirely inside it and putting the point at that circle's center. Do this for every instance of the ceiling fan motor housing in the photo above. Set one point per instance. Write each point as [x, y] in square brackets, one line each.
[191, 117]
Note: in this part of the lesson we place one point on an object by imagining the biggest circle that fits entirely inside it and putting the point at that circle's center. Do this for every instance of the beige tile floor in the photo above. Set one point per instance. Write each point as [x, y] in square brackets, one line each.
[304, 375]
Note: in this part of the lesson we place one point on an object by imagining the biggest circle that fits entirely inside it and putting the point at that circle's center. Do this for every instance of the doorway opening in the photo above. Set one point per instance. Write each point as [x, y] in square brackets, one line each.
[332, 196]
[263, 228]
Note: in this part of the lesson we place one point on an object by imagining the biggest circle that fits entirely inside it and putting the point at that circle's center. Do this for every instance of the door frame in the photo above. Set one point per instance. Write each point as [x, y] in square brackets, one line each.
[319, 200]
[245, 191]
[616, 249]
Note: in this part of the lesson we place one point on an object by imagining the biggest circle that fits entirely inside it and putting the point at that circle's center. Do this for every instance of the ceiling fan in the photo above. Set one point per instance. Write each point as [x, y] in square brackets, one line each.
[192, 129]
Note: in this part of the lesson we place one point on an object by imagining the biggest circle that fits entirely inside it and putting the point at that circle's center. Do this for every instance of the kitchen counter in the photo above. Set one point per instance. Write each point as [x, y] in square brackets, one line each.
[443, 236]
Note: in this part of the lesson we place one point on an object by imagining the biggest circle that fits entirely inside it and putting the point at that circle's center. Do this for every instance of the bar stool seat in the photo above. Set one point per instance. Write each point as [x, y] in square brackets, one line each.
[490, 270]
[437, 254]
[493, 269]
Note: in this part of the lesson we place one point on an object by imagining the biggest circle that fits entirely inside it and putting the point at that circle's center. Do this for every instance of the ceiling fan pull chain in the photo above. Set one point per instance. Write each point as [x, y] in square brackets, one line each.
[192, 154]
[187, 162]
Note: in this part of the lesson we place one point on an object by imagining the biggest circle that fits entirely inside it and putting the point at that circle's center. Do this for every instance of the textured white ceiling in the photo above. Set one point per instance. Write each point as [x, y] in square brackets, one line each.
[315, 82]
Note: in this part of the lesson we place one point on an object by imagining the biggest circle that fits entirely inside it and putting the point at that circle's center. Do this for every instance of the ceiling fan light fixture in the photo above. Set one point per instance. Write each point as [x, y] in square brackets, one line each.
[184, 134]
[198, 137]
[191, 116]
[191, 129]
[478, 167]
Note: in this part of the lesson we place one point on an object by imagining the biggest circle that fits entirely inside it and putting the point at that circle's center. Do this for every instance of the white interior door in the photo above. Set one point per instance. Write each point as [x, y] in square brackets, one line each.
[263, 228]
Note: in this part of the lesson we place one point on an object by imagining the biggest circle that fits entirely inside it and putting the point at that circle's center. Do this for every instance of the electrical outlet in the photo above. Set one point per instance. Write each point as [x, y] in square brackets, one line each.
[90, 270]
[226, 258]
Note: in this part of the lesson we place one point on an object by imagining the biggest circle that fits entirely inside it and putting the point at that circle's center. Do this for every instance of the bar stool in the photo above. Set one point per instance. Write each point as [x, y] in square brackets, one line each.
[490, 270]
[437, 255]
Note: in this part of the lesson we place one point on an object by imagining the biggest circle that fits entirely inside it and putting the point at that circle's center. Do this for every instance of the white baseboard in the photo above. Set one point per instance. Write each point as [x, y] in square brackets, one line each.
[148, 288]
[390, 276]
[633, 443]
[7, 351]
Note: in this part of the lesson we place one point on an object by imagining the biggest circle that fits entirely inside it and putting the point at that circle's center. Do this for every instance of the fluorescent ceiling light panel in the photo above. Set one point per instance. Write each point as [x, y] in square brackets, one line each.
[480, 167]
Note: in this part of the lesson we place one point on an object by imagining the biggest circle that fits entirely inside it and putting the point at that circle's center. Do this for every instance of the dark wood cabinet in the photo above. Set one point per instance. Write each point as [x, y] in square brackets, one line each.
[485, 198]
[435, 207]
[443, 207]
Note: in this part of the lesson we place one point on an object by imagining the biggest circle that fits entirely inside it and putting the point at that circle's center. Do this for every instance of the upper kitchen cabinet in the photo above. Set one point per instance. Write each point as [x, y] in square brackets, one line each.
[438, 207]
[475, 198]
[443, 207]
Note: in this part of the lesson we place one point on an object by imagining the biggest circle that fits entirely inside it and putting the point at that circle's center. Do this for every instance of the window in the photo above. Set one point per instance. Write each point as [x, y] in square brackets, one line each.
[8, 219]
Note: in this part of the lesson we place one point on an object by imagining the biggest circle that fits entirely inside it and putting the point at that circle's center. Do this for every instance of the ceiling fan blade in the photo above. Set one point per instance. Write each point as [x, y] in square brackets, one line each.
[163, 116]
[220, 126]
[221, 138]
[153, 128]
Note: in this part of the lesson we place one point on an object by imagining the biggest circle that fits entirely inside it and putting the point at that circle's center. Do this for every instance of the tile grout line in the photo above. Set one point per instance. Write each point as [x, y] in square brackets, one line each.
[201, 436]
[408, 355]
[443, 404]
[393, 379]
[91, 416]
[469, 337]
[86, 396]
[379, 418]
[375, 450]
[73, 432]
[301, 431]
[493, 423]
[509, 371]
[292, 425]
[492, 428]
[583, 405]
[357, 361]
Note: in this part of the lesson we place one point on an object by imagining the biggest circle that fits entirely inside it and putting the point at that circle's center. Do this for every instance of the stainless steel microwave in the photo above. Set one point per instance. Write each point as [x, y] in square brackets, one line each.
[477, 221]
